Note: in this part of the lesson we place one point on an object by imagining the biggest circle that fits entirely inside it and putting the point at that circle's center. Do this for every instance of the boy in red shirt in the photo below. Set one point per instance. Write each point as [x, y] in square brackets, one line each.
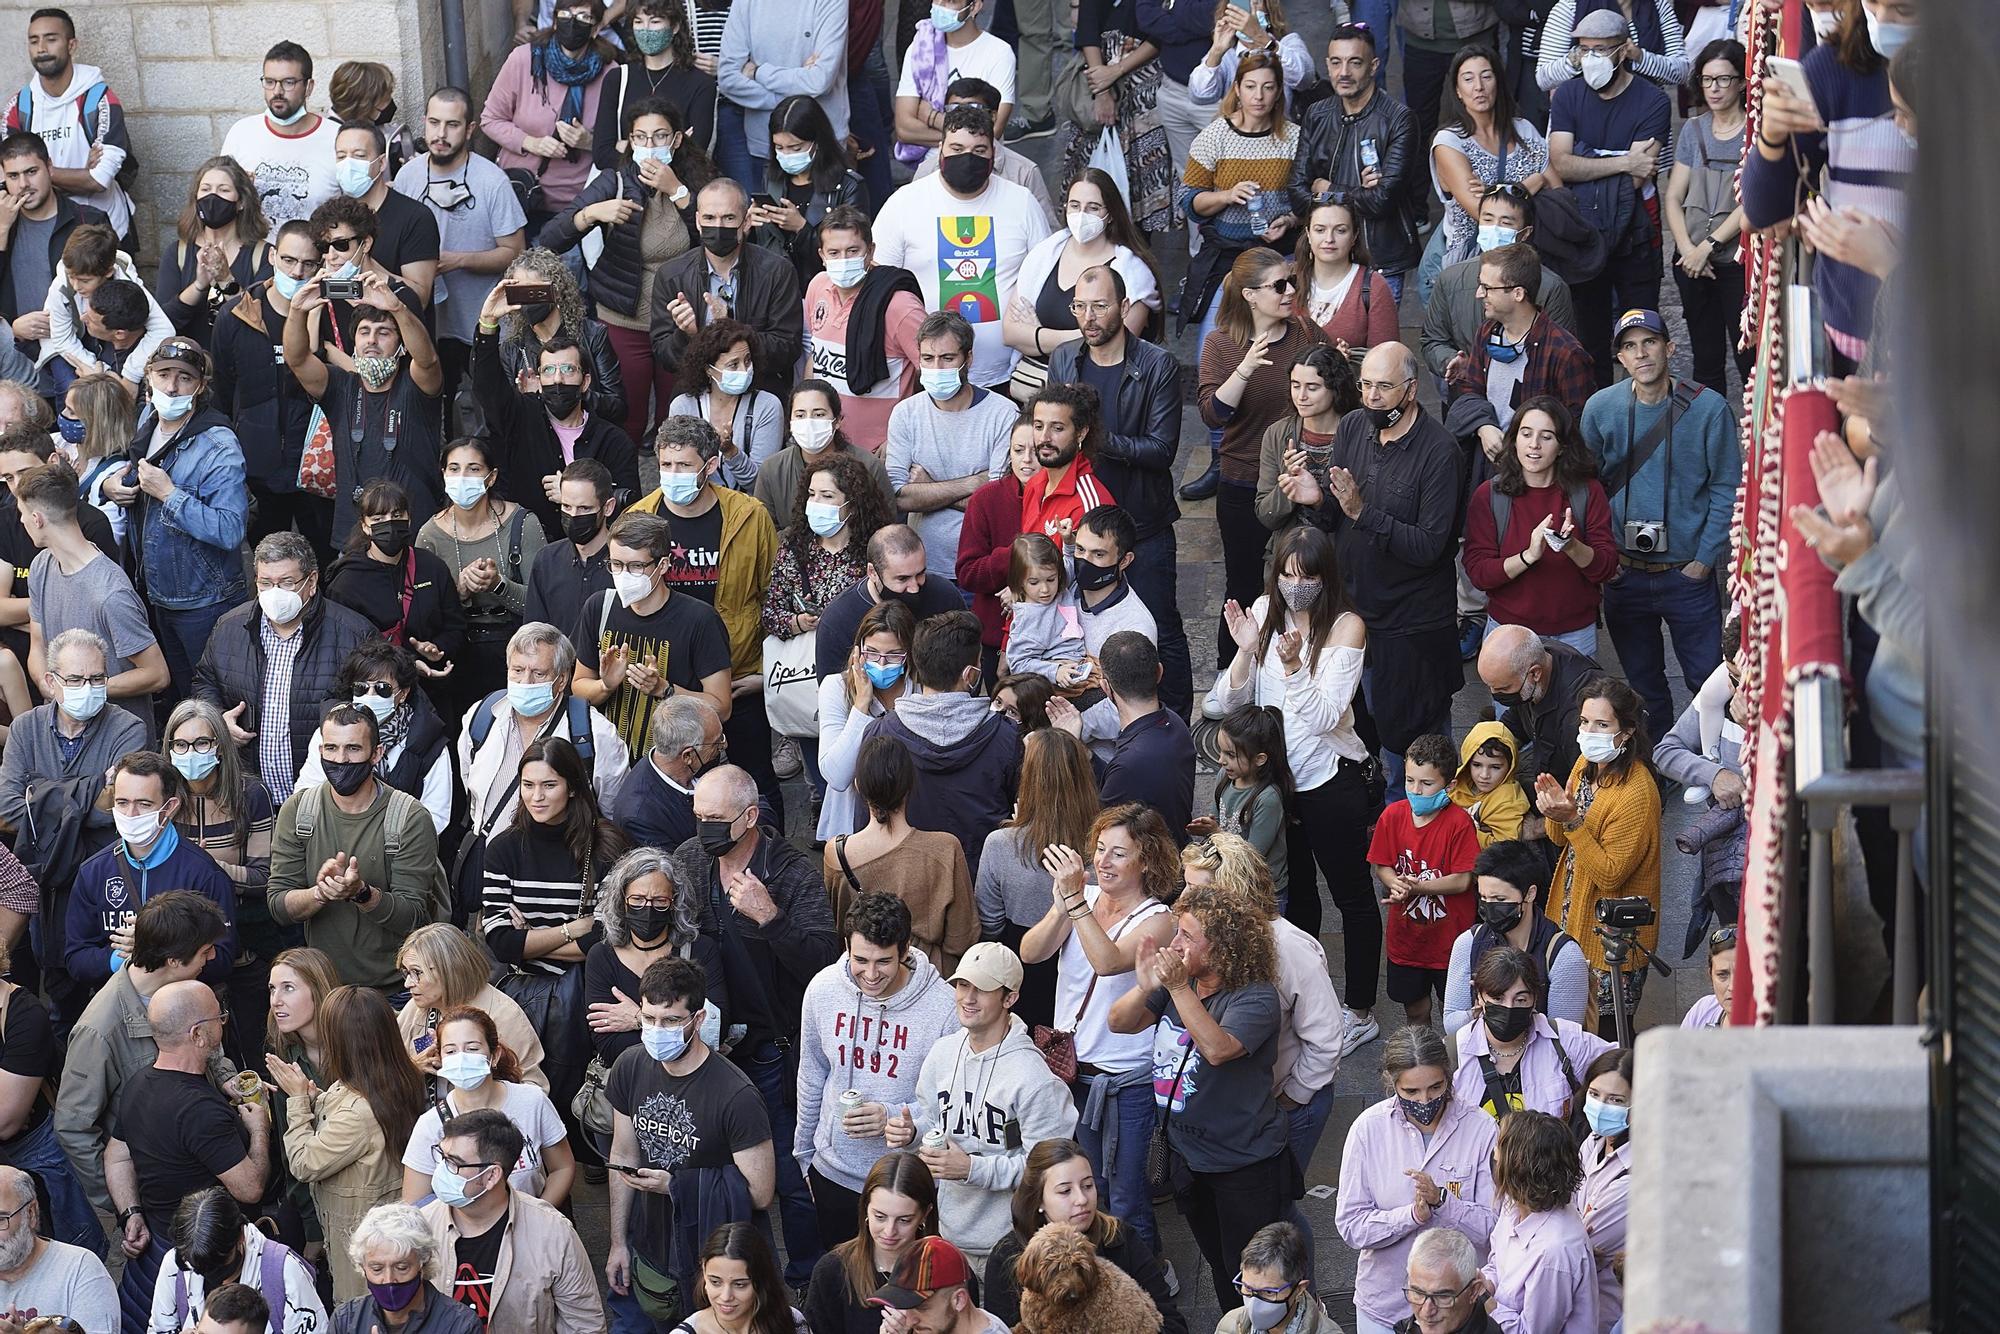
[1423, 853]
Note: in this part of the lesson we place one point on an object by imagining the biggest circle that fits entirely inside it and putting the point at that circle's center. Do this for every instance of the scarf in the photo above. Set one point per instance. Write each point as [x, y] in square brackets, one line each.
[932, 61]
[395, 730]
[550, 61]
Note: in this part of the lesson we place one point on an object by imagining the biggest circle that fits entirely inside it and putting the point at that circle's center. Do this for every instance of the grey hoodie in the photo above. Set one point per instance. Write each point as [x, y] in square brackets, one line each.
[996, 1105]
[968, 764]
[876, 1048]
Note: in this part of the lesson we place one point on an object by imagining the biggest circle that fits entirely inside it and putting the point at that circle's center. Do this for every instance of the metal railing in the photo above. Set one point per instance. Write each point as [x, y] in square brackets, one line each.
[1826, 787]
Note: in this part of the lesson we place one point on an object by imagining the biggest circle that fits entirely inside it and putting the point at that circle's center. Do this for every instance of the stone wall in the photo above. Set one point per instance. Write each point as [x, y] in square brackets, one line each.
[186, 73]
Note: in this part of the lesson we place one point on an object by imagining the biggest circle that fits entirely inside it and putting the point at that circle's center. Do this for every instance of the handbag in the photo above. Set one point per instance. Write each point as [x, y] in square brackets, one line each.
[592, 1104]
[657, 1294]
[1058, 1045]
[1073, 99]
[316, 460]
[791, 685]
[1164, 1166]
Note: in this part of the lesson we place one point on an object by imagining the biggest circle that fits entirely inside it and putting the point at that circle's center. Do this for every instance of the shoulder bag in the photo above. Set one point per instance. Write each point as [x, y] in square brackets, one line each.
[1166, 1169]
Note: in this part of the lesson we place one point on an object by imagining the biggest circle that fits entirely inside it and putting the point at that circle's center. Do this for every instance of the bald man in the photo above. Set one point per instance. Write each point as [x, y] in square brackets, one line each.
[41, 1275]
[174, 1133]
[1535, 682]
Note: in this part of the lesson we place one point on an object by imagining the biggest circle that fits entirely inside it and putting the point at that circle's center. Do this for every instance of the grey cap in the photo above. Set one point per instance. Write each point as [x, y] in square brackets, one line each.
[1602, 23]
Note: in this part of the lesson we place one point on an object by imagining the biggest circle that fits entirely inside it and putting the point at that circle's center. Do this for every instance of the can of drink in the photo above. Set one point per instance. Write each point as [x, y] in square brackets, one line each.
[850, 1099]
[245, 1086]
[934, 1138]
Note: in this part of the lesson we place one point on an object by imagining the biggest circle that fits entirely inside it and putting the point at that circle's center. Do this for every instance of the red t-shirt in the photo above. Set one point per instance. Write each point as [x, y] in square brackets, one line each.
[1421, 929]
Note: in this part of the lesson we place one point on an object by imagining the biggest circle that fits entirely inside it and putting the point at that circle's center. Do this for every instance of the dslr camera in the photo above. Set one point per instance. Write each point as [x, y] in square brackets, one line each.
[1626, 914]
[1645, 537]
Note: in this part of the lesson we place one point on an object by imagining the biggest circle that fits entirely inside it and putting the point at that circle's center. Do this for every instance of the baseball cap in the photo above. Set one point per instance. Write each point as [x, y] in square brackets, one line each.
[926, 1269]
[1601, 24]
[990, 966]
[182, 352]
[1648, 320]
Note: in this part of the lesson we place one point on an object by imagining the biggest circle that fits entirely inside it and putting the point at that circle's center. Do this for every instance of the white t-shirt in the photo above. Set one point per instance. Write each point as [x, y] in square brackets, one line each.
[1502, 379]
[294, 173]
[966, 255]
[984, 57]
[532, 1114]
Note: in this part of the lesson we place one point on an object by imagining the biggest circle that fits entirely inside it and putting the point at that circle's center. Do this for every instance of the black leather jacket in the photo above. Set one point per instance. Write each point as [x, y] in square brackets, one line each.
[607, 378]
[802, 246]
[1330, 150]
[1136, 462]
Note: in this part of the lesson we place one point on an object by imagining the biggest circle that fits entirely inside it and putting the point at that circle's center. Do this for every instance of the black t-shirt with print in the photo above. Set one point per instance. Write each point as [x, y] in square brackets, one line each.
[475, 1259]
[684, 641]
[697, 1120]
[695, 561]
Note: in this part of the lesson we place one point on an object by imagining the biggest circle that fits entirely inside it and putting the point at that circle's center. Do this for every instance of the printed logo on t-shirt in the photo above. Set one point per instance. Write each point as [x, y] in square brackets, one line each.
[283, 188]
[666, 1130]
[1170, 1047]
[1420, 907]
[114, 891]
[470, 1288]
[969, 268]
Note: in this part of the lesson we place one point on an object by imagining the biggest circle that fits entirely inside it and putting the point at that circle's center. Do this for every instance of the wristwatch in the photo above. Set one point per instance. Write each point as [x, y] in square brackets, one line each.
[124, 1215]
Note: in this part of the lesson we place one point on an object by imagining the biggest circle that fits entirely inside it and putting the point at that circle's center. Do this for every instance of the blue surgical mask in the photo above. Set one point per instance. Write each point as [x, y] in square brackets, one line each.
[1887, 38]
[946, 18]
[942, 384]
[1432, 804]
[680, 488]
[1492, 236]
[465, 491]
[375, 704]
[530, 699]
[1606, 1120]
[285, 284]
[660, 153]
[449, 1187]
[711, 1024]
[465, 1069]
[72, 429]
[881, 675]
[1502, 351]
[84, 702]
[664, 1043]
[172, 407]
[732, 382]
[794, 163]
[847, 271]
[824, 519]
[195, 766]
[293, 119]
[1598, 747]
[355, 176]
[344, 272]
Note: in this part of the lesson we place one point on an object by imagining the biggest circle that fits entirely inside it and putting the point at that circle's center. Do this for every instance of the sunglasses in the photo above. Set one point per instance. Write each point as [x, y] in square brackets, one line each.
[341, 243]
[1280, 286]
[379, 689]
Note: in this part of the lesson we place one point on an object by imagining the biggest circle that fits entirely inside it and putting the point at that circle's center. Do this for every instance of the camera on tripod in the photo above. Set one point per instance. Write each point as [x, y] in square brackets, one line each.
[1627, 914]
[1646, 537]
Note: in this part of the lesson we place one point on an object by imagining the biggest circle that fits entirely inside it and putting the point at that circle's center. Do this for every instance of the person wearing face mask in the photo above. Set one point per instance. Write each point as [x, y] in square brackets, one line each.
[286, 149]
[1512, 1056]
[1607, 1174]
[768, 53]
[1606, 134]
[1008, 164]
[1419, 1158]
[722, 279]
[897, 571]
[1518, 354]
[1605, 825]
[544, 101]
[655, 804]
[861, 320]
[521, 1268]
[1042, 319]
[646, 918]
[149, 856]
[1275, 1283]
[354, 861]
[340, 1139]
[819, 438]
[384, 679]
[403, 590]
[1657, 44]
[662, 64]
[215, 1247]
[400, 1259]
[1509, 878]
[219, 248]
[810, 175]
[172, 1117]
[569, 571]
[489, 544]
[1540, 682]
[941, 47]
[947, 442]
[675, 1073]
[406, 236]
[874, 683]
[477, 1071]
[721, 370]
[1455, 311]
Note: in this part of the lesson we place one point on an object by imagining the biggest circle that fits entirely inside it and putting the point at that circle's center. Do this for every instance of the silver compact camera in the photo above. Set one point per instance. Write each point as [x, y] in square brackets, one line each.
[1645, 536]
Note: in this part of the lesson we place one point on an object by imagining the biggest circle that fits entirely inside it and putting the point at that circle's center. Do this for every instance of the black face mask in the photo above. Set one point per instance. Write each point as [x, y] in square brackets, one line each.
[716, 840]
[391, 538]
[537, 312]
[1508, 699]
[721, 241]
[966, 173]
[1384, 418]
[581, 528]
[909, 598]
[561, 399]
[1506, 1023]
[228, 1270]
[347, 778]
[1091, 577]
[1501, 917]
[215, 210]
[572, 34]
[648, 923]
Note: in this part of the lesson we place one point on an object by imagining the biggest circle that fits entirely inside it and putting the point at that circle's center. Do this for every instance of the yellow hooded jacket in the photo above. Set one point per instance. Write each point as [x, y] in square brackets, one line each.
[1497, 815]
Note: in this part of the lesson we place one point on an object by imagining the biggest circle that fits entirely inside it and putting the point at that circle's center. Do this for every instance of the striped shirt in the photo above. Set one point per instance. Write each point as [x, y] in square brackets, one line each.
[1221, 157]
[1667, 67]
[705, 26]
[529, 870]
[274, 709]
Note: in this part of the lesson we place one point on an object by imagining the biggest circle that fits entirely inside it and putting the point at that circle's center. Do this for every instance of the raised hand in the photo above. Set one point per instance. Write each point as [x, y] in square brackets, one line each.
[1064, 717]
[1846, 485]
[1065, 867]
[900, 1131]
[1243, 631]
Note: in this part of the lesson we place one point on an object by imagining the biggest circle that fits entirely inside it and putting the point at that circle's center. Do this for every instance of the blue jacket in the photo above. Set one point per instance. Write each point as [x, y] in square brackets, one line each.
[108, 886]
[1705, 462]
[187, 544]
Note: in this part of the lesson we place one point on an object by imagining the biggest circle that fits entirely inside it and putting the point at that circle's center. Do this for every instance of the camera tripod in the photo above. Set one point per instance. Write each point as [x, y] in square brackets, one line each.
[1619, 944]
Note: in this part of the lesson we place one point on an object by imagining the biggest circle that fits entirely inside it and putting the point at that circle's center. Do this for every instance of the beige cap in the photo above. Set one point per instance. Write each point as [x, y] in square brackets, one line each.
[990, 966]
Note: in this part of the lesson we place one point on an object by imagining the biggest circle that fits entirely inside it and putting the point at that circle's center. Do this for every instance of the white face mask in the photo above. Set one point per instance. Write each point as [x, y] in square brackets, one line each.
[137, 829]
[812, 433]
[632, 586]
[1825, 22]
[1598, 747]
[1598, 70]
[281, 606]
[1085, 227]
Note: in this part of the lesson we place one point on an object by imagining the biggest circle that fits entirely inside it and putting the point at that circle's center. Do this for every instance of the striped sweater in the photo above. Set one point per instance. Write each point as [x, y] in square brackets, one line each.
[529, 868]
[1221, 157]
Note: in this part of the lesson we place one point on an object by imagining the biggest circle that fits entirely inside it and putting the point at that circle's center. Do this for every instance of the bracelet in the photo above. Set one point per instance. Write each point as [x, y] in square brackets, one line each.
[1762, 142]
[567, 937]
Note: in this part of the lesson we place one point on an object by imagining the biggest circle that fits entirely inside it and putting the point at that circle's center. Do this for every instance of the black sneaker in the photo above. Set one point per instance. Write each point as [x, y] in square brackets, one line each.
[1022, 128]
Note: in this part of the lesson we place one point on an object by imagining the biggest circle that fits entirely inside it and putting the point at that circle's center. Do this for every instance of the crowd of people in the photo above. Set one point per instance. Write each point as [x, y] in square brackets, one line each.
[472, 764]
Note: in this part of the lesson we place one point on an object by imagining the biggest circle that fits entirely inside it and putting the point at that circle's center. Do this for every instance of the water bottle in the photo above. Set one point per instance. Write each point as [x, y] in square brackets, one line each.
[1259, 219]
[1369, 157]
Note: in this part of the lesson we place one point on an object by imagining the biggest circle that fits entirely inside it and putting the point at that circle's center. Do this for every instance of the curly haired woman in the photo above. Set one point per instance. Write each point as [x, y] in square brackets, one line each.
[1542, 1274]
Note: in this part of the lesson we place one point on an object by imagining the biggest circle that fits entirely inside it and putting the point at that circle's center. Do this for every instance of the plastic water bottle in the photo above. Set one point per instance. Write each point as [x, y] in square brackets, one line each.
[1259, 218]
[1369, 157]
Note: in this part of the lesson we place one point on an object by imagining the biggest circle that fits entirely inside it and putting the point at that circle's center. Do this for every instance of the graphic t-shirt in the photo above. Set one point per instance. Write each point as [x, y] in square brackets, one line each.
[696, 1120]
[696, 557]
[1220, 1117]
[683, 641]
[1422, 927]
[294, 173]
[472, 1273]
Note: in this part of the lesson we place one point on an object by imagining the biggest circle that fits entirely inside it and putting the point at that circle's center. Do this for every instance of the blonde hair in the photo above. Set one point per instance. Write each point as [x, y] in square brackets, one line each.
[447, 954]
[1238, 869]
[108, 414]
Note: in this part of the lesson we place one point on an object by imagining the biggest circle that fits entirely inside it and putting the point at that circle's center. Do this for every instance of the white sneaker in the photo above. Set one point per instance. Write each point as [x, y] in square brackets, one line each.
[1359, 1035]
[1694, 796]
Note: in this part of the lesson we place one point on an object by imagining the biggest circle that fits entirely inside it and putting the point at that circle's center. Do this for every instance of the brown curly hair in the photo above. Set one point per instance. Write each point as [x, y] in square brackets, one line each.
[1241, 950]
[1535, 1163]
[709, 345]
[1161, 859]
[866, 510]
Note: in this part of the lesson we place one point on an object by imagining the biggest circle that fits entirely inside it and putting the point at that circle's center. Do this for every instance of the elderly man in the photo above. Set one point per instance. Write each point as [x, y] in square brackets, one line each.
[1444, 1290]
[41, 1275]
[1537, 682]
[766, 902]
[655, 804]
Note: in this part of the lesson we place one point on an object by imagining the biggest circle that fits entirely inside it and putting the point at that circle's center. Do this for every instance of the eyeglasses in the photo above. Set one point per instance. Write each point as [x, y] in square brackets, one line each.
[1507, 190]
[1276, 1294]
[379, 689]
[1382, 386]
[1722, 936]
[289, 85]
[631, 566]
[1092, 307]
[1720, 80]
[562, 375]
[881, 659]
[438, 1155]
[340, 243]
[1278, 286]
[7, 1219]
[79, 682]
[1417, 1297]
[580, 15]
[201, 745]
[1481, 289]
[291, 583]
[639, 905]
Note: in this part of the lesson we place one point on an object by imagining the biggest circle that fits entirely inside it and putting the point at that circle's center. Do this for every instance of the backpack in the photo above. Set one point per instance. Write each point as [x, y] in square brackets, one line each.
[305, 819]
[91, 106]
[1503, 509]
[578, 720]
[270, 1281]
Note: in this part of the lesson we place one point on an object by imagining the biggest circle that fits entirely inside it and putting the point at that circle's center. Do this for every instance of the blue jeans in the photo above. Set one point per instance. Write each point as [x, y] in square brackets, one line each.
[1636, 603]
[1153, 577]
[1207, 327]
[1431, 265]
[183, 637]
[732, 146]
[1395, 281]
[1380, 15]
[1307, 1124]
[71, 1217]
[771, 1073]
[1121, 1186]
[626, 1317]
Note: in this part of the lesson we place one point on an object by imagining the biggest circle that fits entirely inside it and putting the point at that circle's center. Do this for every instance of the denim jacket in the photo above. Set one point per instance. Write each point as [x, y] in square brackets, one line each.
[187, 544]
